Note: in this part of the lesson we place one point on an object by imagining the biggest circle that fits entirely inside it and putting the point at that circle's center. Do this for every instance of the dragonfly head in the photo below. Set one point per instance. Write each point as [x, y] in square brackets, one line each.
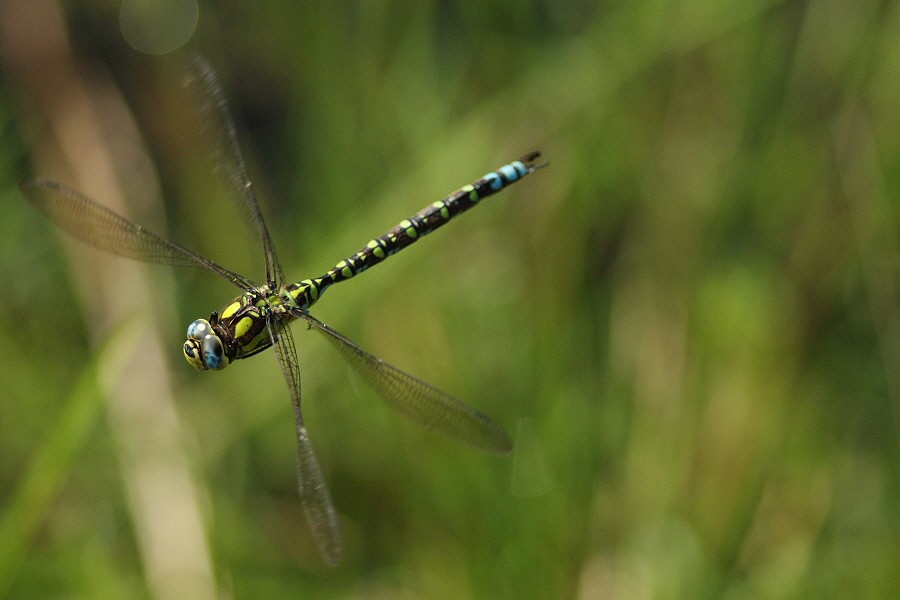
[203, 348]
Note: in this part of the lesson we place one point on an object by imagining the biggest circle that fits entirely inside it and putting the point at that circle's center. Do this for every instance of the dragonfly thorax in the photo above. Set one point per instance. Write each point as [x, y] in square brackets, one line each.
[239, 331]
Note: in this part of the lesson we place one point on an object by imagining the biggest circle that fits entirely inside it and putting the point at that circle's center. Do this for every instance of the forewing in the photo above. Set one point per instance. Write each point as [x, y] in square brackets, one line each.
[106, 230]
[218, 128]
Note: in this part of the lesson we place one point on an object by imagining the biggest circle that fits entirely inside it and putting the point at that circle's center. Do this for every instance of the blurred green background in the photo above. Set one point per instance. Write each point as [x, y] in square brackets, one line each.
[689, 322]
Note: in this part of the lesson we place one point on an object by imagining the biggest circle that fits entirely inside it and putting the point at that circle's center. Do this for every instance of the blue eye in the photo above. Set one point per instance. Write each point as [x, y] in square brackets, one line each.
[213, 353]
[199, 329]
[203, 348]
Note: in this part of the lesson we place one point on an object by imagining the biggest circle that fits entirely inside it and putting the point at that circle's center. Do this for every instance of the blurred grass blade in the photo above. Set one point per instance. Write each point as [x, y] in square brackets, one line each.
[530, 476]
[28, 504]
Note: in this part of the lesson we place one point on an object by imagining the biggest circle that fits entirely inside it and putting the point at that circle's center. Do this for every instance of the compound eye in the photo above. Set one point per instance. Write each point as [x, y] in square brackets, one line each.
[203, 348]
[213, 353]
[199, 329]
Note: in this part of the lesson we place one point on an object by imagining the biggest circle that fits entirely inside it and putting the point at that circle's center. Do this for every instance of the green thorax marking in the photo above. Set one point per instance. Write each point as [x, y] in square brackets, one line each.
[242, 323]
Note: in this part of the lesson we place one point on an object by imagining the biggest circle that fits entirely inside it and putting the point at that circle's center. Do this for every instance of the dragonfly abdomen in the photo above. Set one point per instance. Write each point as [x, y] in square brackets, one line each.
[407, 231]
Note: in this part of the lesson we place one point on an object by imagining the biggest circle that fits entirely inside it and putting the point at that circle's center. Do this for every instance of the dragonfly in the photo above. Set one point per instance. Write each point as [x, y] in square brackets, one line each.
[260, 316]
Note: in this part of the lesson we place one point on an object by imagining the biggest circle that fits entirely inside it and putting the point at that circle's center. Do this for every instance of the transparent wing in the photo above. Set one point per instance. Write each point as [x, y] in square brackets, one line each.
[423, 403]
[314, 496]
[218, 128]
[106, 230]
